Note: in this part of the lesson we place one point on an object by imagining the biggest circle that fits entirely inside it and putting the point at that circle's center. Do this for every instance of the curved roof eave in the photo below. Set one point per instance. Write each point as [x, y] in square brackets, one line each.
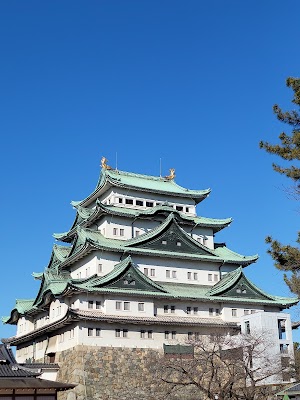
[139, 182]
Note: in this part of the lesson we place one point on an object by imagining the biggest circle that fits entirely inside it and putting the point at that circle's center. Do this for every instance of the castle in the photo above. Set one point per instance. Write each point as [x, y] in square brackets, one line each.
[139, 269]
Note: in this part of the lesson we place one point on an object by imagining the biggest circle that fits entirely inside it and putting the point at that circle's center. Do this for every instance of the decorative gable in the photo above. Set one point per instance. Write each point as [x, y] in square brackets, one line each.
[173, 239]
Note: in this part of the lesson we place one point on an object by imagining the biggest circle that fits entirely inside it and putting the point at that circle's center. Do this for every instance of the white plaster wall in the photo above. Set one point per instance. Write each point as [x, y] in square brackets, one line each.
[57, 310]
[110, 306]
[182, 267]
[227, 311]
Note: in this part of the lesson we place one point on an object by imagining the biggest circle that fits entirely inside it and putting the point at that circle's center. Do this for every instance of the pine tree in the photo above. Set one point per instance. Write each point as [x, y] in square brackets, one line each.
[287, 257]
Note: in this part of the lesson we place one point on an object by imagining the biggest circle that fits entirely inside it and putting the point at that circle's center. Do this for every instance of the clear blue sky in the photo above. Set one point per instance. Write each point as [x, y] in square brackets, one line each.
[189, 82]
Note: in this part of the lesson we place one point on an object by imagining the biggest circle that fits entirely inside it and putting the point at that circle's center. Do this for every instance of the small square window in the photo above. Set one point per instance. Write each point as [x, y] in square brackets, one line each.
[98, 305]
[173, 334]
[187, 209]
[141, 306]
[211, 311]
[115, 231]
[126, 305]
[129, 201]
[149, 204]
[120, 200]
[179, 208]
[188, 310]
[137, 233]
[217, 311]
[146, 271]
[172, 309]
[196, 310]
[121, 232]
[210, 277]
[90, 304]
[150, 334]
[118, 333]
[168, 273]
[152, 272]
[167, 333]
[189, 275]
[174, 274]
[253, 311]
[139, 202]
[118, 305]
[166, 309]
[164, 242]
[143, 334]
[90, 332]
[234, 312]
[246, 312]
[125, 332]
[178, 243]
[98, 332]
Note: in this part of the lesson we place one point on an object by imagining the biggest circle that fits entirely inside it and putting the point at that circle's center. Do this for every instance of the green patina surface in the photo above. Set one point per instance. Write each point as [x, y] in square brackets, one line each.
[120, 281]
[147, 183]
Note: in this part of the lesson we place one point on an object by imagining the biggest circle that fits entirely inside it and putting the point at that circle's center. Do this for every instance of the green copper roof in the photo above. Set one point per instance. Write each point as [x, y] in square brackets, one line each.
[150, 243]
[88, 216]
[128, 180]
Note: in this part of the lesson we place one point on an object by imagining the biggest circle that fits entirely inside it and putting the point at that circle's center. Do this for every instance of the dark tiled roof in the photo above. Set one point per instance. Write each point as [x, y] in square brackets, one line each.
[9, 367]
[33, 383]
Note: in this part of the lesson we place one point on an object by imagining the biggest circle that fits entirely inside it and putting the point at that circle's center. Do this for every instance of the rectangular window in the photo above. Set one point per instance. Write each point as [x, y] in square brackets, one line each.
[152, 272]
[196, 310]
[187, 209]
[166, 309]
[118, 305]
[178, 243]
[253, 311]
[216, 277]
[121, 232]
[172, 309]
[125, 333]
[118, 332]
[126, 305]
[179, 208]
[195, 276]
[189, 275]
[90, 304]
[98, 305]
[142, 334]
[164, 242]
[98, 331]
[173, 334]
[137, 233]
[90, 332]
[141, 306]
[210, 277]
[150, 334]
[128, 201]
[196, 335]
[247, 327]
[211, 311]
[146, 271]
[149, 204]
[168, 273]
[217, 311]
[99, 268]
[115, 231]
[234, 312]
[190, 335]
[188, 310]
[246, 312]
[139, 202]
[167, 333]
[174, 274]
[120, 200]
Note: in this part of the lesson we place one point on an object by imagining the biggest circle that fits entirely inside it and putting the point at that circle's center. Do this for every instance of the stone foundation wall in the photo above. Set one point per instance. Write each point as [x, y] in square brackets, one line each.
[108, 373]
